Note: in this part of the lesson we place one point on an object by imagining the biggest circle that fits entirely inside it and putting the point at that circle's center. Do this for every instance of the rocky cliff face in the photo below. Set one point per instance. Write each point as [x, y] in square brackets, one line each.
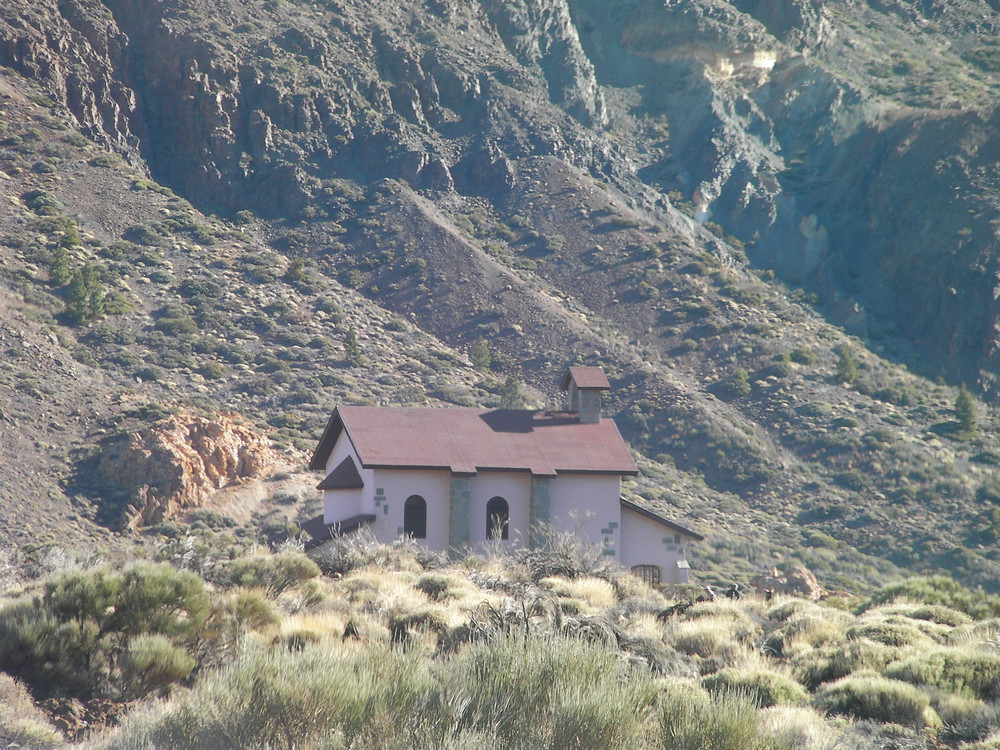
[179, 462]
[791, 124]
[570, 180]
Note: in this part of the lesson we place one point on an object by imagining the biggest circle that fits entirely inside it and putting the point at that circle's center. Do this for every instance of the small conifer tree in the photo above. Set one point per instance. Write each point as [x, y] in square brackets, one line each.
[847, 371]
[480, 355]
[510, 393]
[59, 273]
[965, 410]
[84, 296]
[352, 349]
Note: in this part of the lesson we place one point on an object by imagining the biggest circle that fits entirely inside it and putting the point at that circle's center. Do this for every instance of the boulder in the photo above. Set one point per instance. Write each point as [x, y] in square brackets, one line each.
[798, 581]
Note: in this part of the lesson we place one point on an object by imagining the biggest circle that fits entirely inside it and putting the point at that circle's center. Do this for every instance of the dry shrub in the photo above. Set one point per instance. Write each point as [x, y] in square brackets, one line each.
[798, 728]
[22, 724]
[705, 637]
[598, 593]
[806, 630]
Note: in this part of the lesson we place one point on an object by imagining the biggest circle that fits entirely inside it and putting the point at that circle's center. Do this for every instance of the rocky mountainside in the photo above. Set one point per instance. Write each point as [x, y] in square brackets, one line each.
[771, 222]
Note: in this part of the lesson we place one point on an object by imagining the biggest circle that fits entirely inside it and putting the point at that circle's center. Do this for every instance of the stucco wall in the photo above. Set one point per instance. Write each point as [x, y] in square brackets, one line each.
[397, 485]
[512, 486]
[646, 542]
[594, 501]
[339, 505]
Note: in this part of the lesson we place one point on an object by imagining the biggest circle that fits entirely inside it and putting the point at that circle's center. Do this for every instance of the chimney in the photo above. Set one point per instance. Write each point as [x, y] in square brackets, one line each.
[585, 385]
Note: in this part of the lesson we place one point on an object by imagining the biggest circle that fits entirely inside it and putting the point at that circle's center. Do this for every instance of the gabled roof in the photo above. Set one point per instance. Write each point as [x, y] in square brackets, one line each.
[468, 440]
[344, 477]
[585, 377]
[629, 505]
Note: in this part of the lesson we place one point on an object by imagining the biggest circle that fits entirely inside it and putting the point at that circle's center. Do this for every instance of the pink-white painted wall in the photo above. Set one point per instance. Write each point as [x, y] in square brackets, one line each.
[397, 485]
[512, 486]
[594, 500]
[339, 505]
[646, 542]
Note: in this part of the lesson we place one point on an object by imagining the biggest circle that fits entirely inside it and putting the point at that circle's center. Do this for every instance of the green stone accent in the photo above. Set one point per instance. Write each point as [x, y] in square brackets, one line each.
[609, 552]
[613, 525]
[607, 531]
[539, 508]
[458, 512]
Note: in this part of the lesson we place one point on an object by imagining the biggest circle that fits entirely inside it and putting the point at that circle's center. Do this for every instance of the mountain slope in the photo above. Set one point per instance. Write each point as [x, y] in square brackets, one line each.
[620, 184]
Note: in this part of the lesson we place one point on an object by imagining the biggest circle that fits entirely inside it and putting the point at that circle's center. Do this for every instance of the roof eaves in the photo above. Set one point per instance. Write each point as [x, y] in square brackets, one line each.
[609, 472]
[661, 520]
[334, 427]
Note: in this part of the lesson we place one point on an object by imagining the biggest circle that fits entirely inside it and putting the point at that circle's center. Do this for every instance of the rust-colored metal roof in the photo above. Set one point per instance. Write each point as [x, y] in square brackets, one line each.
[468, 440]
[344, 477]
[585, 377]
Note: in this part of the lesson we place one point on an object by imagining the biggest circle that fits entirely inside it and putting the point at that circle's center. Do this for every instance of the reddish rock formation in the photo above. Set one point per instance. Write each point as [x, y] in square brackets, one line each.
[795, 581]
[180, 461]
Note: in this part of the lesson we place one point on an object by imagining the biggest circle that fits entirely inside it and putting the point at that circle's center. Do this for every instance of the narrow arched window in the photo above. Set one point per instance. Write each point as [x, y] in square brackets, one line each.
[415, 517]
[497, 518]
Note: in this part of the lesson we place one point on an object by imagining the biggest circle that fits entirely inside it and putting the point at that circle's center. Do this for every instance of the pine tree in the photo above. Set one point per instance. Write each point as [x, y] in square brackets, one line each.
[480, 355]
[59, 266]
[847, 371]
[510, 393]
[352, 349]
[84, 296]
[965, 410]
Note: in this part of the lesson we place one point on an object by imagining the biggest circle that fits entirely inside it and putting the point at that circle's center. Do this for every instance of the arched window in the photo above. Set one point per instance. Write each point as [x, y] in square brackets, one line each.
[651, 574]
[415, 517]
[497, 518]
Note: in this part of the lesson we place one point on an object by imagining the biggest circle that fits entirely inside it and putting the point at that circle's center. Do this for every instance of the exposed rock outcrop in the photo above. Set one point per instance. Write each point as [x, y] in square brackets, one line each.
[179, 462]
[796, 582]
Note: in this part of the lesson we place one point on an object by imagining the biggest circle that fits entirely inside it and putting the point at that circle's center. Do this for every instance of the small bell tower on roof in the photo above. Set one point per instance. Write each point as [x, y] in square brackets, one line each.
[585, 385]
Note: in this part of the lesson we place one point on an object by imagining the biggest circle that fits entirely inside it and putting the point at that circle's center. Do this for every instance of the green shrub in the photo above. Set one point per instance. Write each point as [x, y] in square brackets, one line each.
[891, 632]
[71, 638]
[868, 696]
[290, 699]
[274, 574]
[955, 670]
[803, 355]
[939, 590]
[762, 687]
[105, 160]
[152, 661]
[546, 692]
[833, 662]
[736, 385]
[213, 370]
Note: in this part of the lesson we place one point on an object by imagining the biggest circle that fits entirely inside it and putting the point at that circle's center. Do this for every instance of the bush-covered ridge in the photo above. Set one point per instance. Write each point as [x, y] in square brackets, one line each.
[394, 647]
